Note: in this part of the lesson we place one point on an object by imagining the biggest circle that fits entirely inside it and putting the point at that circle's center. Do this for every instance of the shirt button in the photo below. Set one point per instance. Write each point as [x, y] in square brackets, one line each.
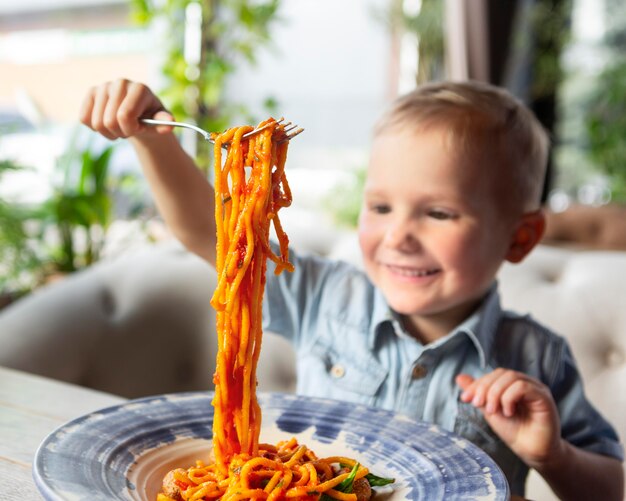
[418, 372]
[337, 371]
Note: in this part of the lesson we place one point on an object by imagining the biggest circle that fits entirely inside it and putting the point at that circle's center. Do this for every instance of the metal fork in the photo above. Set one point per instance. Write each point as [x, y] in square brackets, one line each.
[289, 130]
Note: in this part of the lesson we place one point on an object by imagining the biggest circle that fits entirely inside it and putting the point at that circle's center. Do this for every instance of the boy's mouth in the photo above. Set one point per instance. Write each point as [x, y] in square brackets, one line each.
[407, 271]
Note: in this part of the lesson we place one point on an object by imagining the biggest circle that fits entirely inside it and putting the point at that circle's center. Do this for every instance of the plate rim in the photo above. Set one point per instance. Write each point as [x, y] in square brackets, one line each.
[53, 495]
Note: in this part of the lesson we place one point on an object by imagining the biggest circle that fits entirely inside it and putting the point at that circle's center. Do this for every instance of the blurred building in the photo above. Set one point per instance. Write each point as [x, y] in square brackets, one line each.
[51, 51]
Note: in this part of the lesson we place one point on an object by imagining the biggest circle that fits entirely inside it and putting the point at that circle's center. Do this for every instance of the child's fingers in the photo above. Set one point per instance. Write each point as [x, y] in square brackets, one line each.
[536, 397]
[464, 380]
[114, 108]
[86, 108]
[520, 390]
[115, 96]
[513, 395]
[480, 387]
[101, 97]
[468, 384]
[141, 102]
[138, 98]
[497, 389]
[163, 115]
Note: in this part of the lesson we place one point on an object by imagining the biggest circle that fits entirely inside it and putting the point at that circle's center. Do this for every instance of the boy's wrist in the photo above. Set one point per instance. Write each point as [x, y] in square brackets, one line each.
[554, 460]
[147, 137]
[152, 140]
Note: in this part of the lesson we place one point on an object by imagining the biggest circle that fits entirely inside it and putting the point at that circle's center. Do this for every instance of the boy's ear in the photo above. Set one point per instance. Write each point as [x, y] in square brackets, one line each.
[530, 229]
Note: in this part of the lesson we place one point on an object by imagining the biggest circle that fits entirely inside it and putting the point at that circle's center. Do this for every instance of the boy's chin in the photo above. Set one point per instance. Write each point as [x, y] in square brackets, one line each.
[411, 309]
[440, 311]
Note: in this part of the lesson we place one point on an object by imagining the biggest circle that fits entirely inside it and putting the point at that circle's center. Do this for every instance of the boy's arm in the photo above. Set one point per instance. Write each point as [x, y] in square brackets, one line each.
[182, 194]
[522, 412]
[574, 473]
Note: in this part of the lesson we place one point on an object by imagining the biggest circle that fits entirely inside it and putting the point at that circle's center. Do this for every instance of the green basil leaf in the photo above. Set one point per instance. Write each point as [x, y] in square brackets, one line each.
[376, 481]
[346, 485]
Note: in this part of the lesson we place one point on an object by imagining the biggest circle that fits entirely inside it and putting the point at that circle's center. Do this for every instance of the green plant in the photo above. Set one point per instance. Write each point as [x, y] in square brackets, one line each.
[232, 31]
[606, 127]
[67, 231]
[16, 256]
[605, 111]
[79, 210]
[427, 25]
[549, 23]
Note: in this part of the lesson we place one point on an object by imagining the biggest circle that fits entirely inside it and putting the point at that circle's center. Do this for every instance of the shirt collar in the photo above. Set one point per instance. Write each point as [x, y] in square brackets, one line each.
[480, 327]
[381, 313]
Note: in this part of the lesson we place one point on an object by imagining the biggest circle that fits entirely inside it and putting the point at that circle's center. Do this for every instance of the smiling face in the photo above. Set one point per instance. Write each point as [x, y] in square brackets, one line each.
[431, 232]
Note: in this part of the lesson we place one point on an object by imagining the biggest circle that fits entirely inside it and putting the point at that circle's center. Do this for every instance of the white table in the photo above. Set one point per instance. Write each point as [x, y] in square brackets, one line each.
[30, 408]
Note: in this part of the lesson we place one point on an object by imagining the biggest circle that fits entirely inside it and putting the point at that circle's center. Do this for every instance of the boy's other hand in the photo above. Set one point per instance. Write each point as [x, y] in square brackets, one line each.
[114, 108]
[520, 410]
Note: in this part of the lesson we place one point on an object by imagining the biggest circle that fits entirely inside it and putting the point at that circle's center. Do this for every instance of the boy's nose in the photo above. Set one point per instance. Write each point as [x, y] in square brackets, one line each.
[400, 237]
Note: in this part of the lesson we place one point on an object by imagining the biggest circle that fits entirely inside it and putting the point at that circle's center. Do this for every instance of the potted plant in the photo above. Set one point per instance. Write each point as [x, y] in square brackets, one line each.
[16, 256]
[64, 233]
[79, 211]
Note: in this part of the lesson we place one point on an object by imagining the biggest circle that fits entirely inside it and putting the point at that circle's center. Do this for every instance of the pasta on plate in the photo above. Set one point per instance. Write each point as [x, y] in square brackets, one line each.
[250, 189]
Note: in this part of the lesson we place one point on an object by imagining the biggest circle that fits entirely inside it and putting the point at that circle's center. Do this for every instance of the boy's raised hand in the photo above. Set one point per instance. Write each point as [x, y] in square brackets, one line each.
[520, 410]
[182, 193]
[114, 108]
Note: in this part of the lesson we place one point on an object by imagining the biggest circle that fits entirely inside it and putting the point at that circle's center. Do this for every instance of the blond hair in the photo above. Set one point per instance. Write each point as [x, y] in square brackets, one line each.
[479, 117]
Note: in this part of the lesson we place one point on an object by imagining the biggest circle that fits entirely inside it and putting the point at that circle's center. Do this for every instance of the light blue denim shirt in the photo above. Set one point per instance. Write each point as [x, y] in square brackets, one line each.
[350, 346]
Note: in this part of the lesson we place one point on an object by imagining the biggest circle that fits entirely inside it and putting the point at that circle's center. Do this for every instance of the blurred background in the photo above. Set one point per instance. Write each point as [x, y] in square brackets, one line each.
[69, 198]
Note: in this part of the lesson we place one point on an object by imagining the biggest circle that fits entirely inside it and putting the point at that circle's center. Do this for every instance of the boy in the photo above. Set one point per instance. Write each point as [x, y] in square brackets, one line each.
[452, 192]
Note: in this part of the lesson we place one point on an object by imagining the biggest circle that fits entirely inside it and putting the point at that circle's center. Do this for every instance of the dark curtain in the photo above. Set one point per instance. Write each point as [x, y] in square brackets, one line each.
[523, 40]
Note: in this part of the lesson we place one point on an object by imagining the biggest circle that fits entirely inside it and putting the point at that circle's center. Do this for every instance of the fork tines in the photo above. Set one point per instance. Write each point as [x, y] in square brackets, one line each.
[287, 130]
[290, 131]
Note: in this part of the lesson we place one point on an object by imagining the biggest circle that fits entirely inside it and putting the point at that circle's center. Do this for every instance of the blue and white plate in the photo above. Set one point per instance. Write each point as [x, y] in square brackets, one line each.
[123, 452]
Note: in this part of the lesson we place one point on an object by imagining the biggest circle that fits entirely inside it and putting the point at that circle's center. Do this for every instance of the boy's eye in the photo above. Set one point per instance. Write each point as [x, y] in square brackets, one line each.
[440, 214]
[380, 208]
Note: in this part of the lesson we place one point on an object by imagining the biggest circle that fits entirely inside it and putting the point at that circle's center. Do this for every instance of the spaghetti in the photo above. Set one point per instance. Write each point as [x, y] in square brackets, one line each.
[250, 189]
[287, 471]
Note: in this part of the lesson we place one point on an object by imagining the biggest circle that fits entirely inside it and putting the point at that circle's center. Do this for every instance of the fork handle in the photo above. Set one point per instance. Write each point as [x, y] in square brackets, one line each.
[152, 121]
[207, 135]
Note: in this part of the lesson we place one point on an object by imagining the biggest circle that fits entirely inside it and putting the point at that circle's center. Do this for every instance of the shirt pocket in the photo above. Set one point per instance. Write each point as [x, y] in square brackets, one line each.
[343, 371]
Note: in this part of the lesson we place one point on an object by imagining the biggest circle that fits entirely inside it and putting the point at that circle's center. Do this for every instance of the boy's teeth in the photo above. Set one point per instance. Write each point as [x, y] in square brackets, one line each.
[410, 272]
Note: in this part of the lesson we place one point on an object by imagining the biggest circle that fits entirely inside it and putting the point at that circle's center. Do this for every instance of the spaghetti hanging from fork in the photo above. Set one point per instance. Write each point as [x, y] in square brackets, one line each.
[246, 206]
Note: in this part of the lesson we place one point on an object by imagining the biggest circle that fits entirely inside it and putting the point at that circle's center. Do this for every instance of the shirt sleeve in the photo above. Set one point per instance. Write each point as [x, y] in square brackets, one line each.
[581, 424]
[292, 298]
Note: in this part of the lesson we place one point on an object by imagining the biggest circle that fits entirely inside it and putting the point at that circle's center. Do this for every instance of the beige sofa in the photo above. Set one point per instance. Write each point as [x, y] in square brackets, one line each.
[141, 324]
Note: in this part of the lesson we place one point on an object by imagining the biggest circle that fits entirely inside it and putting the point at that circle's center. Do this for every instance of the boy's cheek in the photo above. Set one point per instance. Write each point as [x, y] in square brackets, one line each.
[369, 228]
[363, 243]
[362, 222]
[364, 231]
